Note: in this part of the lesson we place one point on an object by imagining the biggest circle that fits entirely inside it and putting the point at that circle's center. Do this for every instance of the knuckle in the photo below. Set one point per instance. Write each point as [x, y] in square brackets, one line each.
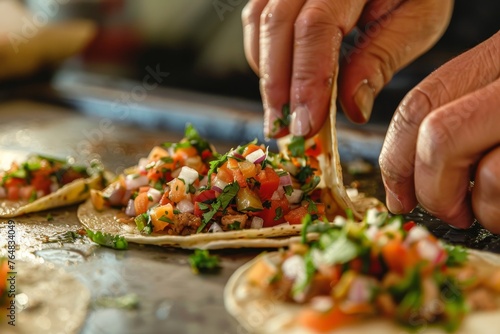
[412, 110]
[388, 62]
[276, 14]
[395, 167]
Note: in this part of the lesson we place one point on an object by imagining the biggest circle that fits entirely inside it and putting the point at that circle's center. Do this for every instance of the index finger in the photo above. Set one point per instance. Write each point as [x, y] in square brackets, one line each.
[397, 159]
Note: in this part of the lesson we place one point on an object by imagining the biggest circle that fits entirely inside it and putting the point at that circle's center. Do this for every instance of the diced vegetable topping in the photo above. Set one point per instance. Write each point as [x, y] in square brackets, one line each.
[378, 267]
[184, 185]
[38, 176]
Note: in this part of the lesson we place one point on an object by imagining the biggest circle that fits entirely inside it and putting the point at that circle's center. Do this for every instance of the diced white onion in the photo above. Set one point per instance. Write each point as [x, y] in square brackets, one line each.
[352, 192]
[143, 162]
[428, 250]
[188, 174]
[285, 180]
[257, 222]
[256, 156]
[134, 181]
[417, 233]
[215, 228]
[295, 197]
[185, 206]
[3, 193]
[130, 210]
[155, 195]
[321, 303]
[294, 268]
[276, 196]
[339, 221]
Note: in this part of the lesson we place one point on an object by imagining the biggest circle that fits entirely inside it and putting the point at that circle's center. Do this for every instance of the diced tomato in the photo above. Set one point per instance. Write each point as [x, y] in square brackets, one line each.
[144, 189]
[165, 199]
[71, 175]
[295, 216]
[269, 181]
[206, 154]
[397, 256]
[177, 190]
[182, 153]
[205, 196]
[161, 215]
[238, 177]
[280, 206]
[41, 181]
[247, 168]
[247, 200]
[26, 192]
[315, 150]
[232, 163]
[356, 264]
[324, 321]
[197, 210]
[141, 203]
[225, 174]
[409, 225]
[13, 193]
[97, 199]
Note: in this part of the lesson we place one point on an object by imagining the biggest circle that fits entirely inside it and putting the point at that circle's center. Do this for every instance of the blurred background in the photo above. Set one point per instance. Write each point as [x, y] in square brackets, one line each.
[194, 47]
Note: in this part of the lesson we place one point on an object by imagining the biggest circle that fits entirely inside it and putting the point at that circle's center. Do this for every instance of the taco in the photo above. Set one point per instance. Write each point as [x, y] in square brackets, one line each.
[186, 195]
[46, 299]
[41, 183]
[378, 276]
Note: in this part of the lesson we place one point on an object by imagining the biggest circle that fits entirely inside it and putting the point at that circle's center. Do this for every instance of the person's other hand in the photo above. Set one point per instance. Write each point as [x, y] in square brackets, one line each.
[446, 132]
[293, 45]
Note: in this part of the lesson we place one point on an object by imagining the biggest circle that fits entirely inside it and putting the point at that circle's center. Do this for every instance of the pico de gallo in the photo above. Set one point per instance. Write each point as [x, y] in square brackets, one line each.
[38, 176]
[381, 267]
[187, 187]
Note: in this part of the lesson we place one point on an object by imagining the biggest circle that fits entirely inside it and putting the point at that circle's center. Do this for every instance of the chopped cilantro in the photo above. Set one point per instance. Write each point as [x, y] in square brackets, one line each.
[202, 262]
[108, 240]
[220, 203]
[288, 190]
[166, 219]
[234, 226]
[278, 213]
[457, 255]
[214, 164]
[297, 146]
[284, 121]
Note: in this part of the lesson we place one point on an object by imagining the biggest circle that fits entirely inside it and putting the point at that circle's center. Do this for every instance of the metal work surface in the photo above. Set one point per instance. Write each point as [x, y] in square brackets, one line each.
[171, 298]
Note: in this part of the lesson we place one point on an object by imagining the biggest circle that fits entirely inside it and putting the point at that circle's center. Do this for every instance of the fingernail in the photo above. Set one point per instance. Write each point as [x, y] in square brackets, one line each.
[271, 127]
[299, 124]
[393, 203]
[363, 98]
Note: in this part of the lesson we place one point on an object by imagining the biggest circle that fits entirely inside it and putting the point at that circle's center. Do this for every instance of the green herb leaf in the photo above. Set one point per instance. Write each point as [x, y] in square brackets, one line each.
[202, 262]
[234, 226]
[297, 146]
[108, 240]
[457, 255]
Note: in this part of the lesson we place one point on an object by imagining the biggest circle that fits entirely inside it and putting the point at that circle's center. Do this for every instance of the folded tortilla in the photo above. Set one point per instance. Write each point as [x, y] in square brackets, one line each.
[258, 312]
[74, 192]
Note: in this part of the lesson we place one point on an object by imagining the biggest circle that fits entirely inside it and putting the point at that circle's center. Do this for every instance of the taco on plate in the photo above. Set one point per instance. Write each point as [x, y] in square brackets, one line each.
[41, 183]
[378, 276]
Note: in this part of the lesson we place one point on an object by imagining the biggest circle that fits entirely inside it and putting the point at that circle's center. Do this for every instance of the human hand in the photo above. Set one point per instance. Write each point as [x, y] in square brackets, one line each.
[446, 132]
[294, 47]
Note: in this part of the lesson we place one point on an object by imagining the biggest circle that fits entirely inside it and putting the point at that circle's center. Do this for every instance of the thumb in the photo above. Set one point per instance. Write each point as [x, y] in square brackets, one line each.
[387, 43]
